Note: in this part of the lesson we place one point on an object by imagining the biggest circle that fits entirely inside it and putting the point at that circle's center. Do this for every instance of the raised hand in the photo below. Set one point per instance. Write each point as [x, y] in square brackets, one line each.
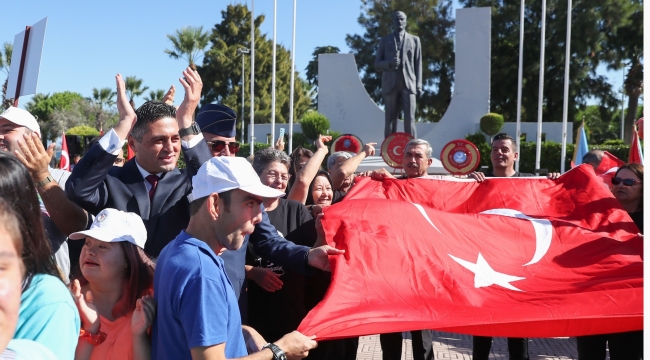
[478, 176]
[169, 96]
[322, 139]
[143, 315]
[125, 110]
[34, 156]
[369, 149]
[193, 85]
[87, 310]
[279, 145]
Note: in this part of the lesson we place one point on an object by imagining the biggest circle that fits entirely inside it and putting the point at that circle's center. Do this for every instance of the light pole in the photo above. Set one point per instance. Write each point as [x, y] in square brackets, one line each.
[242, 51]
[251, 135]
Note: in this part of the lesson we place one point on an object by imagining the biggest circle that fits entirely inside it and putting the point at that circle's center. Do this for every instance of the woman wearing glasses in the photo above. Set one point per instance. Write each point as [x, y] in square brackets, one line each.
[628, 190]
[276, 296]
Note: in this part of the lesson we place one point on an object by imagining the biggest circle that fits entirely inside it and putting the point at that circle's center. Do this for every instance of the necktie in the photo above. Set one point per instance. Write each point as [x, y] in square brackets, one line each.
[153, 180]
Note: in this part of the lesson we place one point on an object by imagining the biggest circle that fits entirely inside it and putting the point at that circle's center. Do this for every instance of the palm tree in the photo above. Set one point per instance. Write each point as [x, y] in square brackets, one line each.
[188, 43]
[101, 98]
[133, 88]
[5, 64]
[155, 95]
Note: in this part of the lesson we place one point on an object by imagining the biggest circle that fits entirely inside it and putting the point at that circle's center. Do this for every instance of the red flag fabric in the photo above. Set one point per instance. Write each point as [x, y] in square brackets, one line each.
[517, 257]
[130, 154]
[64, 163]
[636, 153]
[608, 168]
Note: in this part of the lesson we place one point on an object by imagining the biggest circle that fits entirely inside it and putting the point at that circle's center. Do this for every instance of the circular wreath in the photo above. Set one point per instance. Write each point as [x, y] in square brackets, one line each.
[353, 141]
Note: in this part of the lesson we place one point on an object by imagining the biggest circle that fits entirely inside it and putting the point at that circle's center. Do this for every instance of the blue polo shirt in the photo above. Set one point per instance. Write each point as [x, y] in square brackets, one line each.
[196, 302]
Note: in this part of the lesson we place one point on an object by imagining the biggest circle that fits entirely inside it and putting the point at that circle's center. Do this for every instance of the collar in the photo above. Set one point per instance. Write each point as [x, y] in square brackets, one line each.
[144, 172]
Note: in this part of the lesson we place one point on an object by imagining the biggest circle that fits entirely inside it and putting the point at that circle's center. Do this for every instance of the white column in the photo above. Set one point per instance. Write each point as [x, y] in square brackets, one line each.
[565, 106]
[293, 62]
[275, 23]
[251, 137]
[520, 80]
[540, 99]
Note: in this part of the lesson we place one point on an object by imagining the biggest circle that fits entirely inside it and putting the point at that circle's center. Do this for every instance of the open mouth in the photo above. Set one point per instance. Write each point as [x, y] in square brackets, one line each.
[90, 263]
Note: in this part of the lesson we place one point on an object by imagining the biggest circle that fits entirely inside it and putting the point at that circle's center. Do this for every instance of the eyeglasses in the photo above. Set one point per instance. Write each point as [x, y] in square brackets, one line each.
[118, 160]
[272, 176]
[219, 145]
[627, 182]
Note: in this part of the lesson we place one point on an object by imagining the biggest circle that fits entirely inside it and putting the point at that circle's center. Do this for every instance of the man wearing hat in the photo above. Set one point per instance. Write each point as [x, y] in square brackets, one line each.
[198, 316]
[20, 135]
[218, 124]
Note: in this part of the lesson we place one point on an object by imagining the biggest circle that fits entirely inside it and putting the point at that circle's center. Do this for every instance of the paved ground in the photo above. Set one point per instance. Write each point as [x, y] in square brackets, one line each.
[457, 346]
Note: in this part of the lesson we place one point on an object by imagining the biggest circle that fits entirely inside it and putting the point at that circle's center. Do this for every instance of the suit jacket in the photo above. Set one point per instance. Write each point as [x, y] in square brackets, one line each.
[411, 63]
[95, 184]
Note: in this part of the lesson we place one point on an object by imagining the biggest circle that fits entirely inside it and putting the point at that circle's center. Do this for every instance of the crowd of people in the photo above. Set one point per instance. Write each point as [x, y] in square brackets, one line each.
[222, 259]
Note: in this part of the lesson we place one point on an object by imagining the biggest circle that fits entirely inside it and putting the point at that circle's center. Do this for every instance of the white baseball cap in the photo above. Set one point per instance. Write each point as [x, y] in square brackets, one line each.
[112, 225]
[223, 173]
[21, 117]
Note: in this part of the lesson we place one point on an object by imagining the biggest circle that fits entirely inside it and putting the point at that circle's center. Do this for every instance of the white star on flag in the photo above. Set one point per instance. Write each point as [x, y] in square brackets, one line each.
[484, 275]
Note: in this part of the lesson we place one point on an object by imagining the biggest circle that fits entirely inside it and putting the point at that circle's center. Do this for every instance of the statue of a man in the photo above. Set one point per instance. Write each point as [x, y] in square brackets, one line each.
[399, 58]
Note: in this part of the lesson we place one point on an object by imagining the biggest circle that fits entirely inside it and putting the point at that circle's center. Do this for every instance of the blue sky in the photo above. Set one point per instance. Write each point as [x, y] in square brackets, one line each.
[88, 42]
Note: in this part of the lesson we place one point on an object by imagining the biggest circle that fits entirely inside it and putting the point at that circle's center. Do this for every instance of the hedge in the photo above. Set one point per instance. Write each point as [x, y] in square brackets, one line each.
[550, 155]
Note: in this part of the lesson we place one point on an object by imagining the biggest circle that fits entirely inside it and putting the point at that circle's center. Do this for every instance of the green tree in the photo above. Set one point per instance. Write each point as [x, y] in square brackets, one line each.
[221, 70]
[591, 22]
[314, 124]
[5, 64]
[42, 106]
[79, 112]
[102, 98]
[312, 71]
[188, 43]
[432, 21]
[134, 88]
[155, 95]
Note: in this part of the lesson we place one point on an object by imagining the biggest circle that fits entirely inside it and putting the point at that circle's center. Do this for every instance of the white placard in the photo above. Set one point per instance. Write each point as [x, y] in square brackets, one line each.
[32, 63]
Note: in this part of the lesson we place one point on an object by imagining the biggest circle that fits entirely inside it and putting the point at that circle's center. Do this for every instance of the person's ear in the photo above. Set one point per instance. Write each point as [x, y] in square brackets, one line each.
[516, 156]
[131, 141]
[430, 161]
[212, 204]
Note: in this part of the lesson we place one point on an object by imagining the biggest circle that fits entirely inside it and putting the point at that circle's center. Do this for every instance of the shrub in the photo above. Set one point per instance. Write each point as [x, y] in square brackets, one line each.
[83, 130]
[313, 124]
[491, 123]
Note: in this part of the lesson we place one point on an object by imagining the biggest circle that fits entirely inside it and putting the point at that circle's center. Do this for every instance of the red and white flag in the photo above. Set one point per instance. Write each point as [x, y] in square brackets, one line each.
[64, 163]
[608, 167]
[636, 152]
[517, 257]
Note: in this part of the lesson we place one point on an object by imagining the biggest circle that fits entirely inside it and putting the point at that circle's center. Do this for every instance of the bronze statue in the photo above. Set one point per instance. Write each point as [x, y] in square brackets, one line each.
[399, 58]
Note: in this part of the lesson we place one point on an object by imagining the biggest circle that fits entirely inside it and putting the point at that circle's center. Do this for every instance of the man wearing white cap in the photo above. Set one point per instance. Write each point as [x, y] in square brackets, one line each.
[19, 134]
[198, 316]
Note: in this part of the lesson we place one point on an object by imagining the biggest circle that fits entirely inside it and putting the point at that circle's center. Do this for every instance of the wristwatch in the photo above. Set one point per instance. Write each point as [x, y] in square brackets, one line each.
[194, 129]
[278, 354]
[44, 182]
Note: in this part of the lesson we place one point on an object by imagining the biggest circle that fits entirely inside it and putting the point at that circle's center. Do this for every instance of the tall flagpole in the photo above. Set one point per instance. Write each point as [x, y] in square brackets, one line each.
[275, 23]
[540, 100]
[252, 125]
[565, 106]
[293, 62]
[520, 80]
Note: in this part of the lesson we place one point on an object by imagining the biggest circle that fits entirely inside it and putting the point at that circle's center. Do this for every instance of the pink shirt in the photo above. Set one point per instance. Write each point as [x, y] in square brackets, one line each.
[118, 343]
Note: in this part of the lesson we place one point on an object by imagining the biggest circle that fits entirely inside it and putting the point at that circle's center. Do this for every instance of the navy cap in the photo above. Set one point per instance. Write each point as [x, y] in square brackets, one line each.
[217, 119]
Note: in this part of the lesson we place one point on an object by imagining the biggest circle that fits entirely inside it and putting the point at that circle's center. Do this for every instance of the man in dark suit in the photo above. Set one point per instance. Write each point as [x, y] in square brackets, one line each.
[149, 185]
[399, 59]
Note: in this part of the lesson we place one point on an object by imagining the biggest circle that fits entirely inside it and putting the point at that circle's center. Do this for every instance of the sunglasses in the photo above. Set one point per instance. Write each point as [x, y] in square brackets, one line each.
[118, 160]
[219, 145]
[627, 182]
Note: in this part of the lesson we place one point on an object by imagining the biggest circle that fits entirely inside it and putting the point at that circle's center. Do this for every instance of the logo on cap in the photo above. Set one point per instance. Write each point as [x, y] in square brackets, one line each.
[101, 216]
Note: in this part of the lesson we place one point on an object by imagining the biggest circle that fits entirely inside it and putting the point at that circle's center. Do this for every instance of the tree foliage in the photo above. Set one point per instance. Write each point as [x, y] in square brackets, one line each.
[491, 123]
[432, 21]
[188, 43]
[5, 64]
[155, 95]
[133, 87]
[102, 99]
[593, 23]
[83, 130]
[222, 70]
[43, 105]
[314, 124]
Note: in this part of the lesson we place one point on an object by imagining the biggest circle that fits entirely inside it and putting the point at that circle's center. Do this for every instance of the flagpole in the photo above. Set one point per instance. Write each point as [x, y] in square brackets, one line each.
[293, 63]
[565, 106]
[540, 99]
[520, 81]
[275, 23]
[252, 121]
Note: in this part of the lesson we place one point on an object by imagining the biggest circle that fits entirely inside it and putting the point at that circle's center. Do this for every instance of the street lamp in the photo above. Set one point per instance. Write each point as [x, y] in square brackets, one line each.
[242, 51]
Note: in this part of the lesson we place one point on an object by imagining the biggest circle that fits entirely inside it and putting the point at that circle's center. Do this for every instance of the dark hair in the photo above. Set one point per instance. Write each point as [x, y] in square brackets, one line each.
[138, 280]
[593, 157]
[148, 113]
[198, 203]
[10, 224]
[637, 169]
[504, 136]
[17, 189]
[295, 157]
[310, 199]
[263, 158]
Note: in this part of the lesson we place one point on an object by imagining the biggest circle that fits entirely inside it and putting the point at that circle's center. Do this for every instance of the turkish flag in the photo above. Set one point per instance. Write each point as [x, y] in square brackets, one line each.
[130, 154]
[636, 152]
[64, 163]
[608, 167]
[516, 257]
